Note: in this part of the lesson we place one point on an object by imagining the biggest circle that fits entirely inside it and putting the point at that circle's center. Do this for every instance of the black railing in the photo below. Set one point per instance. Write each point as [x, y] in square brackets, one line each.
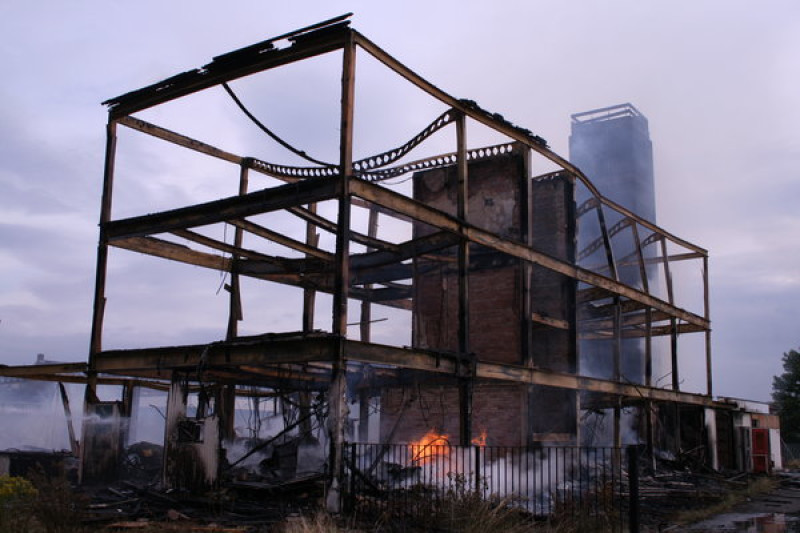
[428, 482]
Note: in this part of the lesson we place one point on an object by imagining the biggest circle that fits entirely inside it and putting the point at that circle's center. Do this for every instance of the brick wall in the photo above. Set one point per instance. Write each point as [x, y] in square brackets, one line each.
[500, 331]
[411, 412]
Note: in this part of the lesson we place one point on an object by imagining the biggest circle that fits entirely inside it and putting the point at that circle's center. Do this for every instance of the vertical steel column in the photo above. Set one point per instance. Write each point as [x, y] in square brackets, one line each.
[617, 324]
[466, 384]
[648, 349]
[337, 400]
[226, 393]
[98, 311]
[648, 312]
[365, 330]
[707, 316]
[309, 308]
[96, 345]
[235, 302]
[612, 267]
[526, 236]
[365, 326]
[309, 295]
[673, 336]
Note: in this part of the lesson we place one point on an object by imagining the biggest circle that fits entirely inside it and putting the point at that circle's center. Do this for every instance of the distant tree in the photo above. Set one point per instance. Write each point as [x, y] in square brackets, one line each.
[786, 396]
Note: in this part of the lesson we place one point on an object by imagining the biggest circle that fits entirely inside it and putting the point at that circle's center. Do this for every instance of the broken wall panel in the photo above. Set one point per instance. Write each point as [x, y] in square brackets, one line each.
[192, 443]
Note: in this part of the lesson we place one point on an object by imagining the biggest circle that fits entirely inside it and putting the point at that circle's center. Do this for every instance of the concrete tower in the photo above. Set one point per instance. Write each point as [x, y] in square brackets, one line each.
[612, 147]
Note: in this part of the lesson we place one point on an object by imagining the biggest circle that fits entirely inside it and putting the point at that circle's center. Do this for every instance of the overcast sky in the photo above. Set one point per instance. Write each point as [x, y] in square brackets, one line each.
[717, 80]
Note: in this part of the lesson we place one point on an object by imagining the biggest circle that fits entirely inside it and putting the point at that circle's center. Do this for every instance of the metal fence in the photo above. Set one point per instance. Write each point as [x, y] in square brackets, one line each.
[427, 481]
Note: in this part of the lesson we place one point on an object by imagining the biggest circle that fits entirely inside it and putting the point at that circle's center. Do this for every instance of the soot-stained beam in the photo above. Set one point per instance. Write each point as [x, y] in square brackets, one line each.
[592, 322]
[235, 207]
[497, 123]
[442, 363]
[439, 219]
[638, 333]
[229, 67]
[390, 296]
[220, 354]
[281, 239]
[266, 353]
[329, 226]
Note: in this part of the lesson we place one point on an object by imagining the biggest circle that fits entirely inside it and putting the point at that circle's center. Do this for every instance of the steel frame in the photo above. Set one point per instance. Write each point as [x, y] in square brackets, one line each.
[316, 360]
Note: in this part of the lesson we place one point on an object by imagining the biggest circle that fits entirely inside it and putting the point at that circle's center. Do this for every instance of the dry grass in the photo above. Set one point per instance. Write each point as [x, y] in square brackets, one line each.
[469, 513]
[320, 522]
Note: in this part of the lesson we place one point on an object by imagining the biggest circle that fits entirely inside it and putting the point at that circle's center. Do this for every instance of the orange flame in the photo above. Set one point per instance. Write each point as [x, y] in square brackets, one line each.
[431, 445]
[480, 440]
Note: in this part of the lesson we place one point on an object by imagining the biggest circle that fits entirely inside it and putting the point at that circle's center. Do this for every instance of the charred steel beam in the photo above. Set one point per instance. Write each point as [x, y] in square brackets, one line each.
[406, 250]
[231, 66]
[173, 251]
[630, 260]
[220, 354]
[181, 140]
[266, 353]
[444, 363]
[23, 371]
[549, 321]
[439, 219]
[223, 246]
[590, 312]
[499, 124]
[392, 297]
[278, 377]
[283, 240]
[363, 264]
[329, 226]
[598, 321]
[592, 294]
[582, 383]
[281, 172]
[234, 207]
[636, 333]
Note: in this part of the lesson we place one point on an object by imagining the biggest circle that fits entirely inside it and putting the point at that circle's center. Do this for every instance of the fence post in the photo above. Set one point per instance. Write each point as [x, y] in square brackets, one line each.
[633, 489]
[350, 493]
[477, 469]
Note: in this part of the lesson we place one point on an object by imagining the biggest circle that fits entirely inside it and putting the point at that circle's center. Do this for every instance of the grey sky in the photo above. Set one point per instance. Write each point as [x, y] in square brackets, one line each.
[717, 81]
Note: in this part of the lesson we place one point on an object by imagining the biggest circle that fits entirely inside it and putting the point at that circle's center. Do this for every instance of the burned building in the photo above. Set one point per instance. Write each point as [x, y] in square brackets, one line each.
[479, 277]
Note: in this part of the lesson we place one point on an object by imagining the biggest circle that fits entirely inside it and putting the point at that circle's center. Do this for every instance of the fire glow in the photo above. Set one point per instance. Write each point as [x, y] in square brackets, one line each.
[434, 444]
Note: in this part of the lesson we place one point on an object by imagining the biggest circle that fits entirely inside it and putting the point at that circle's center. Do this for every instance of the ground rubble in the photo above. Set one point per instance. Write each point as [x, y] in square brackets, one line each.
[250, 500]
[237, 506]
